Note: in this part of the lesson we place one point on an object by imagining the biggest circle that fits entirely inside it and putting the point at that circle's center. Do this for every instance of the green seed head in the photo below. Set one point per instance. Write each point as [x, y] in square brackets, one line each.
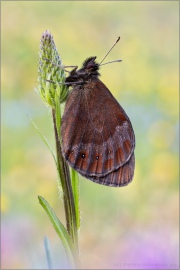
[51, 68]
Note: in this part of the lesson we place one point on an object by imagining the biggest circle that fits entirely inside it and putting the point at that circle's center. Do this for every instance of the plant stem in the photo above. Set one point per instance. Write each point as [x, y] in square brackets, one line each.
[64, 175]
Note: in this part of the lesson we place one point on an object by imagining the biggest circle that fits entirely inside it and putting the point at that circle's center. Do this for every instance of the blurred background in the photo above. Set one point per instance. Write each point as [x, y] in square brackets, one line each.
[134, 227]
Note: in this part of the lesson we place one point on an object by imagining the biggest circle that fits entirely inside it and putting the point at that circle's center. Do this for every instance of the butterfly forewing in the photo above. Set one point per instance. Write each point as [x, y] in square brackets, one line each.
[97, 135]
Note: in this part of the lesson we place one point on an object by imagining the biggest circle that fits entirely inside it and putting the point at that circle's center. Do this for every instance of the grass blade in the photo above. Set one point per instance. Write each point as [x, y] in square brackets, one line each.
[61, 231]
[75, 188]
[42, 137]
[48, 253]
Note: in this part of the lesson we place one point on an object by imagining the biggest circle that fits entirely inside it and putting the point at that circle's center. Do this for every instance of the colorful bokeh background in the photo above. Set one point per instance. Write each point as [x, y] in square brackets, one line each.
[134, 227]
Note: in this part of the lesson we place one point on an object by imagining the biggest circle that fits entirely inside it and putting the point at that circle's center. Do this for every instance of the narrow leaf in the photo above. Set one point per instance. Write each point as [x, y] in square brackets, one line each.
[42, 137]
[48, 253]
[75, 188]
[61, 231]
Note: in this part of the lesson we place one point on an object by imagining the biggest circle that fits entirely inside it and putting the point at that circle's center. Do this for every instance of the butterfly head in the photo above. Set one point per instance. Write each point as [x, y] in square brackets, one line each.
[88, 71]
[90, 65]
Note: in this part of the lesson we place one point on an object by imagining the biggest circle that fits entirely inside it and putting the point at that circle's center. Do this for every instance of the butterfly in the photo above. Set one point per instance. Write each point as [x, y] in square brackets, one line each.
[98, 140]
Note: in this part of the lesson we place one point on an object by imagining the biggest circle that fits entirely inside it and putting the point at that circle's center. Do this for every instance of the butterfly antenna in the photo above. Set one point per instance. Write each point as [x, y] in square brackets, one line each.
[111, 62]
[109, 50]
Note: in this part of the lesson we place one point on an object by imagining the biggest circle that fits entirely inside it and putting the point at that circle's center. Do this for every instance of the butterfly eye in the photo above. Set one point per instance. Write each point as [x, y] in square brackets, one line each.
[97, 157]
[90, 66]
[83, 155]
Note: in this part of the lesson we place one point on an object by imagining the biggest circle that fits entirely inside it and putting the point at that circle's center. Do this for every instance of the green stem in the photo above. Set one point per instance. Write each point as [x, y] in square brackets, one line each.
[64, 175]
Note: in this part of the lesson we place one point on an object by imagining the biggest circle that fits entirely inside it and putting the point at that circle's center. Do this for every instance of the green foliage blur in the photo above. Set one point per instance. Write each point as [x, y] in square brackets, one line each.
[117, 224]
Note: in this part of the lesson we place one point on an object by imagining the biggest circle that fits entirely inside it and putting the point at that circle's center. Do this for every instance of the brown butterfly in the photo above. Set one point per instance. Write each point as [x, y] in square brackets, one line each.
[98, 140]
